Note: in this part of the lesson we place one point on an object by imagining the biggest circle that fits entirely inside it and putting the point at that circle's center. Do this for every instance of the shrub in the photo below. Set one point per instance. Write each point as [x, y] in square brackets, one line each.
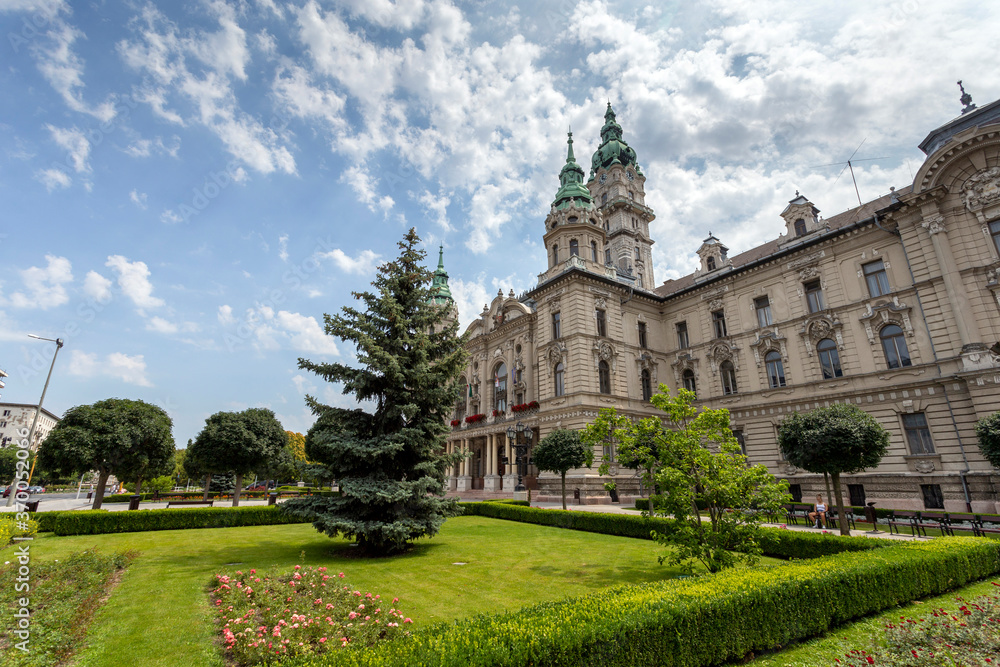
[97, 523]
[323, 614]
[691, 622]
[775, 542]
[11, 528]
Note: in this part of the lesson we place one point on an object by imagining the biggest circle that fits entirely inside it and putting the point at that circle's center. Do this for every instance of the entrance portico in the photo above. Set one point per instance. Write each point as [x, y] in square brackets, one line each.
[483, 469]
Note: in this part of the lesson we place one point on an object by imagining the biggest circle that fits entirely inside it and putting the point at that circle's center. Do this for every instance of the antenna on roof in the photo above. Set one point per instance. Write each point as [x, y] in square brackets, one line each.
[850, 165]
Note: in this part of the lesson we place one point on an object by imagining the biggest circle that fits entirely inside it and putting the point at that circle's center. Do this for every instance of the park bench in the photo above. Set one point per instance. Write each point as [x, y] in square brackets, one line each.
[903, 518]
[797, 511]
[831, 518]
[172, 503]
[988, 524]
[937, 520]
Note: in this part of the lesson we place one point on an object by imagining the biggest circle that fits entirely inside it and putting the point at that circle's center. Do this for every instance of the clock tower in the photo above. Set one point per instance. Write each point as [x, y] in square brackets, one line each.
[617, 185]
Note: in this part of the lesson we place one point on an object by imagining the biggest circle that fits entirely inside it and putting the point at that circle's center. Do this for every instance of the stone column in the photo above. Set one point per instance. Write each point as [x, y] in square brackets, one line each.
[510, 474]
[491, 481]
[464, 481]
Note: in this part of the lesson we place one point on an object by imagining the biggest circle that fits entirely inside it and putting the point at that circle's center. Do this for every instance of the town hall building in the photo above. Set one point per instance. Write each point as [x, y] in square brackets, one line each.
[893, 306]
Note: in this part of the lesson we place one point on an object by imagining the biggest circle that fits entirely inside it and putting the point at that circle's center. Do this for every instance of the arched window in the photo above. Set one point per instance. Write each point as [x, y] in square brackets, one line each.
[775, 370]
[894, 345]
[500, 387]
[558, 375]
[647, 385]
[728, 373]
[574, 248]
[829, 359]
[710, 262]
[800, 227]
[593, 251]
[555, 254]
[604, 376]
[687, 377]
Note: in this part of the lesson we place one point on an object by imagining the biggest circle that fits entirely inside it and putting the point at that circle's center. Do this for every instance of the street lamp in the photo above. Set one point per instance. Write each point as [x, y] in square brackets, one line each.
[521, 451]
[38, 410]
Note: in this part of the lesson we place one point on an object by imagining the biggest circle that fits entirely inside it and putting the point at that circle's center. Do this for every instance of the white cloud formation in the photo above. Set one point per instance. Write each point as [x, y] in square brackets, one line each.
[133, 279]
[75, 144]
[360, 180]
[283, 247]
[164, 326]
[141, 148]
[169, 217]
[45, 286]
[225, 315]
[364, 262]
[139, 199]
[117, 365]
[97, 287]
[276, 330]
[53, 178]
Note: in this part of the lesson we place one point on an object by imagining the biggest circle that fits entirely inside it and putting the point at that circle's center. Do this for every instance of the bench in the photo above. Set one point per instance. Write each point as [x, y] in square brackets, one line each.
[797, 511]
[987, 524]
[831, 518]
[210, 503]
[937, 520]
[903, 518]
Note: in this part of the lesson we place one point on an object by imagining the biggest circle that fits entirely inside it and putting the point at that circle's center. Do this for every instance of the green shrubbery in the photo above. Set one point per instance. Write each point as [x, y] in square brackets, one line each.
[9, 528]
[98, 522]
[701, 621]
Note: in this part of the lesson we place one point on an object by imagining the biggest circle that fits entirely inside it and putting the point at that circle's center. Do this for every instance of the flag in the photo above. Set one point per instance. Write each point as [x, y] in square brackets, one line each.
[470, 390]
[496, 380]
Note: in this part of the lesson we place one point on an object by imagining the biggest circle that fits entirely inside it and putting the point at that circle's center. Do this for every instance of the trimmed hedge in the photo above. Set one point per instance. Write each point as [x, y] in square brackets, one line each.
[90, 522]
[706, 620]
[181, 495]
[775, 542]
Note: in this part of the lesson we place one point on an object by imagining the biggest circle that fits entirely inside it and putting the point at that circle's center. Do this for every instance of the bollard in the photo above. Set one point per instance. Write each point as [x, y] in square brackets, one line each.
[31, 506]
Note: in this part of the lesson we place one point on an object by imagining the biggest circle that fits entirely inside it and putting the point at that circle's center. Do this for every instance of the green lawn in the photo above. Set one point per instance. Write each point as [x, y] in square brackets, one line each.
[159, 614]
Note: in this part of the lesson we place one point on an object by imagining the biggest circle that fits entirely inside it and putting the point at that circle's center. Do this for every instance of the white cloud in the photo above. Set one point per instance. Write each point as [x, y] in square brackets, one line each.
[359, 179]
[276, 330]
[62, 67]
[283, 247]
[225, 315]
[139, 199]
[133, 278]
[141, 148]
[436, 206]
[117, 365]
[97, 287]
[46, 287]
[161, 325]
[53, 178]
[75, 144]
[365, 262]
[169, 217]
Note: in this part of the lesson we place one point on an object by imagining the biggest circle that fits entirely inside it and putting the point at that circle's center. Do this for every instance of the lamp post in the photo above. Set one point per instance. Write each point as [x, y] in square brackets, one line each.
[38, 410]
[521, 451]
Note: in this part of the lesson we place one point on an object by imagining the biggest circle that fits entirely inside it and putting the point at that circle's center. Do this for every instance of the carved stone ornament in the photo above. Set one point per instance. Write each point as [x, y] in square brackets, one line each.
[715, 304]
[497, 353]
[808, 273]
[714, 293]
[601, 302]
[683, 363]
[819, 327]
[934, 225]
[808, 260]
[767, 341]
[723, 352]
[883, 314]
[789, 469]
[645, 363]
[982, 189]
[605, 351]
[924, 467]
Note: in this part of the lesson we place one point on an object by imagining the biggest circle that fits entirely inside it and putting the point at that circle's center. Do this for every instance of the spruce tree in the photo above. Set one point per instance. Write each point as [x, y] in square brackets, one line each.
[388, 457]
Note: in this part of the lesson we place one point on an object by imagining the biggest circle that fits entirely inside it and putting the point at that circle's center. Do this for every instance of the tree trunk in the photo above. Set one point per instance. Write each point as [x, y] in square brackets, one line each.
[102, 481]
[841, 515]
[564, 489]
[237, 488]
[208, 482]
[829, 493]
[652, 490]
[138, 485]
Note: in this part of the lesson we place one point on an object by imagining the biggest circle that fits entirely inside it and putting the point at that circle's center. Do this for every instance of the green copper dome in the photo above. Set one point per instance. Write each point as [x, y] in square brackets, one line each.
[613, 148]
[440, 292]
[571, 187]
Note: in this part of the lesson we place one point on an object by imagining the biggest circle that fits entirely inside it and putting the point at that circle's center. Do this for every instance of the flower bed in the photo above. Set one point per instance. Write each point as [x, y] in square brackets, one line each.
[266, 617]
[9, 528]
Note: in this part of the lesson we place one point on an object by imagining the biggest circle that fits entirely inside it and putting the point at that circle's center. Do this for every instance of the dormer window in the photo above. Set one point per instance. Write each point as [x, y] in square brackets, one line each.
[800, 227]
[710, 262]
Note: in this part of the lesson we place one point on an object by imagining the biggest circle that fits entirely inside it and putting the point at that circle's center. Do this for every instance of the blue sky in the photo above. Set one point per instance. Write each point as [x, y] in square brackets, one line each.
[187, 187]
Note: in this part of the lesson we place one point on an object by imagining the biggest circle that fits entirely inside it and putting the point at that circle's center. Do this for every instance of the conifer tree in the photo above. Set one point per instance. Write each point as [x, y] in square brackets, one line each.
[388, 456]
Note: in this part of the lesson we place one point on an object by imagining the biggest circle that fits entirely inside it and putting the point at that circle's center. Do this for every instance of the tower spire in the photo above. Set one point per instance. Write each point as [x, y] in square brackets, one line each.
[440, 292]
[571, 187]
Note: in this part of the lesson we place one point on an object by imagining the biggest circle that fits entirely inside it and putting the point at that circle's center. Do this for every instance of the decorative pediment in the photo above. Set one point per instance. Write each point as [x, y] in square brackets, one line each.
[766, 342]
[723, 351]
[684, 362]
[605, 351]
[878, 316]
[818, 327]
[645, 362]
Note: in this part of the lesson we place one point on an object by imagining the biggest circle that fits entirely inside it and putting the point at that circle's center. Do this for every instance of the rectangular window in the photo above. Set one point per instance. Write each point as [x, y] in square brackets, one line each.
[933, 498]
[607, 256]
[682, 335]
[556, 331]
[918, 435]
[857, 494]
[742, 440]
[602, 323]
[763, 307]
[796, 491]
[814, 296]
[719, 323]
[995, 233]
[642, 334]
[876, 277]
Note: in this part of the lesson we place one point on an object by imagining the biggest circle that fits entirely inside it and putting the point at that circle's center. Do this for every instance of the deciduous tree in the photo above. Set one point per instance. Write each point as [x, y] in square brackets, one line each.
[988, 434]
[841, 438]
[388, 454]
[561, 451]
[116, 436]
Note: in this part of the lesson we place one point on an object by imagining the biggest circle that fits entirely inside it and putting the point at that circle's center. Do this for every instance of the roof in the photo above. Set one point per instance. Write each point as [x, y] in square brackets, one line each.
[774, 247]
[987, 115]
[31, 406]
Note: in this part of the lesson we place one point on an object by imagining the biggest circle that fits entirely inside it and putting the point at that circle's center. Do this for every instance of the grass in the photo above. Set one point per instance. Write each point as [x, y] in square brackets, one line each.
[159, 615]
[864, 634]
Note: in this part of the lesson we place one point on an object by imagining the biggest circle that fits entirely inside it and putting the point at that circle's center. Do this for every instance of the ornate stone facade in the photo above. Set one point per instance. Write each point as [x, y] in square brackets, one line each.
[893, 306]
